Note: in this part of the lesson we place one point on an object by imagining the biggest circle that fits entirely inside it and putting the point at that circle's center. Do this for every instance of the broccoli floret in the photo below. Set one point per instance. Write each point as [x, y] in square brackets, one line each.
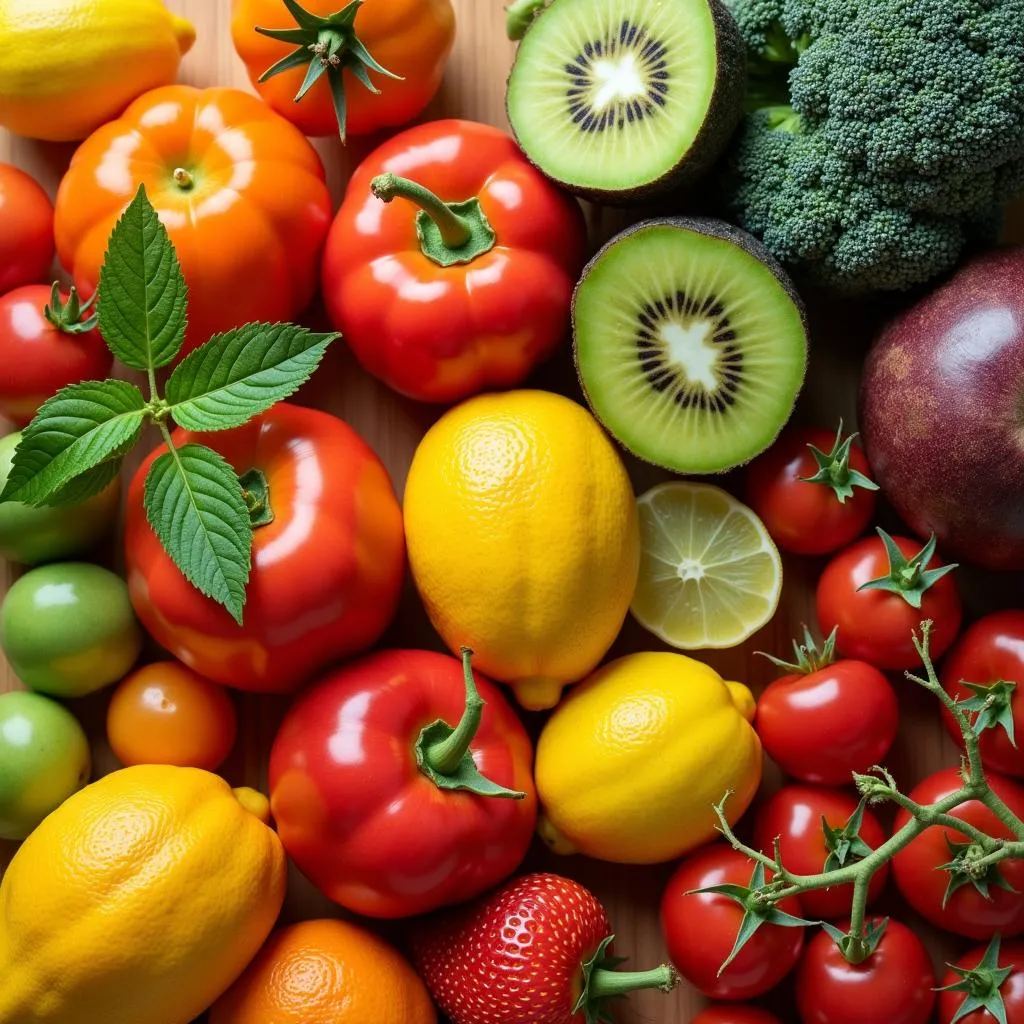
[883, 136]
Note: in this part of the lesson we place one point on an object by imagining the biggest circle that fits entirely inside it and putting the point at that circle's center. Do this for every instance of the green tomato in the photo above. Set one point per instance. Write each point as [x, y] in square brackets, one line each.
[35, 535]
[44, 758]
[69, 629]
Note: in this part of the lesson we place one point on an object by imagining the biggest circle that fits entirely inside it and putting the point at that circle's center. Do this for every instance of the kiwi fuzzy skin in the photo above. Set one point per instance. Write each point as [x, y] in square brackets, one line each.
[712, 228]
[720, 122]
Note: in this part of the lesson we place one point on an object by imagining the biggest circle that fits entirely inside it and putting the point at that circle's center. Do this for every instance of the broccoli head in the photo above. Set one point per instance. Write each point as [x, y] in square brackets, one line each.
[882, 136]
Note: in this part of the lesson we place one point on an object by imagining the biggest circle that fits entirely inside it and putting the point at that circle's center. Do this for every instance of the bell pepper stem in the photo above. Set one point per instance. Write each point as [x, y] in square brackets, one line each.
[455, 230]
[446, 756]
[520, 15]
[605, 984]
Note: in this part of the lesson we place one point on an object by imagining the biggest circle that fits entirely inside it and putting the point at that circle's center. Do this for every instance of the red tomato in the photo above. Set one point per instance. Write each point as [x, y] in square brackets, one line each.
[40, 351]
[1011, 955]
[700, 929]
[877, 625]
[894, 985]
[167, 714]
[822, 726]
[735, 1015]
[794, 814]
[26, 230]
[914, 868]
[803, 517]
[992, 649]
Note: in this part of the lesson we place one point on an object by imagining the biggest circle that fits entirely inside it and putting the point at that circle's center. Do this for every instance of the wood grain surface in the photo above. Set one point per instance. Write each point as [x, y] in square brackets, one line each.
[474, 88]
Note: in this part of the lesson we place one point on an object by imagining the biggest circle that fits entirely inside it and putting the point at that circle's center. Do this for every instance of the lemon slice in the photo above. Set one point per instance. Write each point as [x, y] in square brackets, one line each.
[710, 576]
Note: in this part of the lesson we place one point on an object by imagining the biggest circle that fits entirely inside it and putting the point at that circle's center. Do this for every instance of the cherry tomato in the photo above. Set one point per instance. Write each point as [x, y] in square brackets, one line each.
[805, 517]
[735, 1014]
[26, 230]
[991, 651]
[1010, 989]
[824, 722]
[793, 815]
[877, 625]
[167, 714]
[44, 346]
[916, 867]
[700, 929]
[893, 985]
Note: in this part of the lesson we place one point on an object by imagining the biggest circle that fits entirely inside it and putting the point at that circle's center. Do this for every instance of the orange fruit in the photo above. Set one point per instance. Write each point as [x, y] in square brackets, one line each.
[326, 972]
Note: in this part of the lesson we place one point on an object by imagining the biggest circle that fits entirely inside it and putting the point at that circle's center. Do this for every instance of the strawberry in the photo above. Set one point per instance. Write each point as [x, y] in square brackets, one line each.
[536, 950]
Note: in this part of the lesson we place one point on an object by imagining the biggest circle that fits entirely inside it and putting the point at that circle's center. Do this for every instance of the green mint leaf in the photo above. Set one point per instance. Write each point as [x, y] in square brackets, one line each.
[142, 292]
[194, 503]
[82, 427]
[237, 375]
[85, 485]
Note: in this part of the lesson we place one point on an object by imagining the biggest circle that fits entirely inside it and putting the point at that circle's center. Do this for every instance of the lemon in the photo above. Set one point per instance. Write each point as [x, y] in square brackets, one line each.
[69, 66]
[710, 576]
[630, 765]
[140, 898]
[522, 534]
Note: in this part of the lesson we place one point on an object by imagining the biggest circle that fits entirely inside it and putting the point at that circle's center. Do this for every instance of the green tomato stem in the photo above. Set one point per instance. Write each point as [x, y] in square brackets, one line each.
[995, 804]
[858, 950]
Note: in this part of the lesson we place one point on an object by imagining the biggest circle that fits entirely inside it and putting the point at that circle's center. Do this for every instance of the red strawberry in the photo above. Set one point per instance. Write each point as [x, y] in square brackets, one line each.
[536, 950]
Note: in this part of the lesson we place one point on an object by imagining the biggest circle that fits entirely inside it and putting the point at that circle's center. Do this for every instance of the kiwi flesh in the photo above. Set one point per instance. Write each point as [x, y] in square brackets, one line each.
[690, 343]
[623, 100]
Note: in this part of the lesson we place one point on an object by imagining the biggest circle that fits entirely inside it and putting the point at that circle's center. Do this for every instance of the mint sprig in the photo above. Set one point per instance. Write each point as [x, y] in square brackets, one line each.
[193, 498]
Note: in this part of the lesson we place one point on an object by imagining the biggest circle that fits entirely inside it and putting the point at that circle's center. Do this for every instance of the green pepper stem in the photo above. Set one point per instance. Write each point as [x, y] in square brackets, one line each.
[446, 756]
[605, 984]
[455, 230]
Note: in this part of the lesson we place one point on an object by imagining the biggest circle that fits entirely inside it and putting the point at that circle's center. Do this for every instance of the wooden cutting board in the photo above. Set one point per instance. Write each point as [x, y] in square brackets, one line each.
[474, 88]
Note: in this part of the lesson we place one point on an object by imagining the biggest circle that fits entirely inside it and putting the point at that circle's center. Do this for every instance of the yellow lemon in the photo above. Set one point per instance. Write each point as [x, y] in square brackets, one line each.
[69, 66]
[140, 899]
[630, 765]
[523, 539]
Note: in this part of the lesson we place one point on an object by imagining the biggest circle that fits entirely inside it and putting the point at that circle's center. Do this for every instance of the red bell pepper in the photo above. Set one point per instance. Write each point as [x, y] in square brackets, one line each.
[382, 804]
[466, 282]
[328, 555]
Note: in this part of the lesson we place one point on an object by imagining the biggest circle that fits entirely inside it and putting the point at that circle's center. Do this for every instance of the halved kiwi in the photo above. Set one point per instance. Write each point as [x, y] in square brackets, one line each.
[690, 343]
[619, 100]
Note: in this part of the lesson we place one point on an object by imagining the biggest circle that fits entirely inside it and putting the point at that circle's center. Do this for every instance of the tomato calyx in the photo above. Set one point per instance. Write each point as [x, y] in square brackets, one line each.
[808, 657]
[908, 577]
[845, 845]
[325, 46]
[601, 982]
[834, 469]
[968, 867]
[982, 985]
[444, 753]
[256, 494]
[73, 316]
[758, 903]
[992, 706]
[449, 233]
[858, 948]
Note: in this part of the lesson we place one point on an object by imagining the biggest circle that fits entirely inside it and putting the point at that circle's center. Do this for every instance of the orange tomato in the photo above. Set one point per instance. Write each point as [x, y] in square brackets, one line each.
[331, 972]
[165, 713]
[241, 192]
[410, 38]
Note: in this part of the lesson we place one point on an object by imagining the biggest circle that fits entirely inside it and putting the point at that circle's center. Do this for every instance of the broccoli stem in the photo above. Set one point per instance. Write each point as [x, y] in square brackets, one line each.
[768, 78]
